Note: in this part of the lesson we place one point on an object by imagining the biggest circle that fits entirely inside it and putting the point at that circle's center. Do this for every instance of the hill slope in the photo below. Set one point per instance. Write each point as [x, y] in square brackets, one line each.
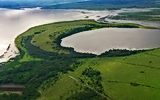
[134, 77]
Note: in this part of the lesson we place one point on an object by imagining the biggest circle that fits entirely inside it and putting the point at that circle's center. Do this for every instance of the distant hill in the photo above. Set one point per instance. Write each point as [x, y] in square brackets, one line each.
[108, 4]
[80, 4]
[9, 4]
[33, 3]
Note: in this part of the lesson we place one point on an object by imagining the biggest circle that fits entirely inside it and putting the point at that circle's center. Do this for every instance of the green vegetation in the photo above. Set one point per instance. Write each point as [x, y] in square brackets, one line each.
[134, 77]
[1, 91]
[91, 87]
[153, 15]
[119, 52]
[53, 72]
[10, 97]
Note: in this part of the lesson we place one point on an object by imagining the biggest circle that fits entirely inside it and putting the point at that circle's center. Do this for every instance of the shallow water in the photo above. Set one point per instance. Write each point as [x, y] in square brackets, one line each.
[101, 40]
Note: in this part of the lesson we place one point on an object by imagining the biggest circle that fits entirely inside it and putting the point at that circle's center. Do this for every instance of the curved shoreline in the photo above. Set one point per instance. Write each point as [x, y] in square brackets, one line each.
[102, 40]
[84, 13]
[58, 39]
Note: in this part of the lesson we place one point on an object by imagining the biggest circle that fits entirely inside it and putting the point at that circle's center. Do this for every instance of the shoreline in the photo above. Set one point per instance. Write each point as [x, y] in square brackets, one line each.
[89, 13]
[70, 41]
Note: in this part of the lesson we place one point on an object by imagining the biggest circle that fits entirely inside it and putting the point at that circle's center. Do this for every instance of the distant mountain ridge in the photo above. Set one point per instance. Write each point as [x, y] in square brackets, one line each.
[33, 3]
[80, 4]
[110, 4]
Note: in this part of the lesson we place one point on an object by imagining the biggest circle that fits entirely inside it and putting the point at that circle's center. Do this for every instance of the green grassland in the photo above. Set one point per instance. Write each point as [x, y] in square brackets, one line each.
[52, 72]
[134, 77]
[153, 15]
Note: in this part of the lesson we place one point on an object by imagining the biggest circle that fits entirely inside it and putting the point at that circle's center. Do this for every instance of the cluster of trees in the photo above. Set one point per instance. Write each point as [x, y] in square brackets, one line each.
[28, 94]
[89, 72]
[94, 77]
[92, 85]
[33, 74]
[120, 52]
[10, 97]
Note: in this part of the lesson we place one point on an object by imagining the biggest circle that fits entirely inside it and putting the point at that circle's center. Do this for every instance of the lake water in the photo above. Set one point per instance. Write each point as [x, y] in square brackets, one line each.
[101, 40]
[15, 22]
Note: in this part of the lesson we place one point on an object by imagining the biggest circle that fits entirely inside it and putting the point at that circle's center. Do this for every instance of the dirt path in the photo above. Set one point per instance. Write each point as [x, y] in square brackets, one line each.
[103, 95]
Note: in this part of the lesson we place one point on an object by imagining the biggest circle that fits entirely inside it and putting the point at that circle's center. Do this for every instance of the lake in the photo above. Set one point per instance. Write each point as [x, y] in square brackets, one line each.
[101, 40]
[16, 21]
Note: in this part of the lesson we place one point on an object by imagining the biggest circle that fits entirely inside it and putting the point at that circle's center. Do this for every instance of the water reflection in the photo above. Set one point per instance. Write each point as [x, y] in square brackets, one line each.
[101, 40]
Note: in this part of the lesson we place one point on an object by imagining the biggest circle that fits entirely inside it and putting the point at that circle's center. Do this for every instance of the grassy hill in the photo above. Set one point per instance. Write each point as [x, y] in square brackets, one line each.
[52, 72]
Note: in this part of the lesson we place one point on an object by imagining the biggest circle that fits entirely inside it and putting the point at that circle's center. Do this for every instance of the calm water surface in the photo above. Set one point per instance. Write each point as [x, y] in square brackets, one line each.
[101, 40]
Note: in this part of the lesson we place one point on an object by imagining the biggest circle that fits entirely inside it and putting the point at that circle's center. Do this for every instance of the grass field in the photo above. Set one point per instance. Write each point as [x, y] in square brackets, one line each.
[118, 78]
[52, 72]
